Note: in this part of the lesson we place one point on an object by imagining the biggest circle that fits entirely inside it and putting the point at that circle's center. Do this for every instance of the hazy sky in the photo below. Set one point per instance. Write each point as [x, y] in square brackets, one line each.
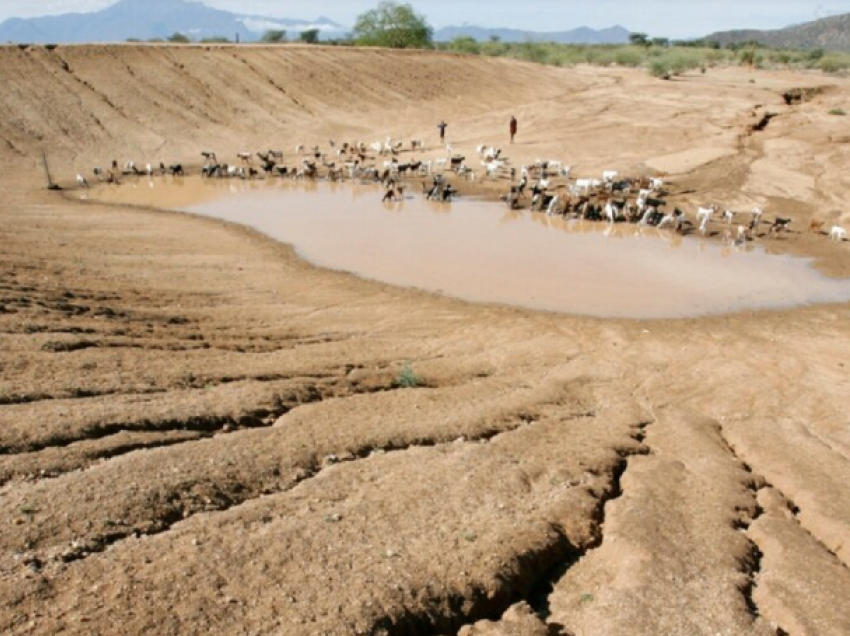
[673, 18]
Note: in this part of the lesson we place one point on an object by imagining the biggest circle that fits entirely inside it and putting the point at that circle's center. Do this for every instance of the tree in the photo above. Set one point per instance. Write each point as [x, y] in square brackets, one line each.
[393, 25]
[273, 36]
[639, 39]
[662, 42]
[178, 38]
[311, 36]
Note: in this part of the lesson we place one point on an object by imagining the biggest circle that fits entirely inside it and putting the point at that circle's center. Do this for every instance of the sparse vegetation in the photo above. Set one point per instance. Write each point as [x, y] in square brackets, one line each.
[840, 112]
[407, 378]
[661, 57]
[310, 36]
[179, 38]
[215, 39]
[273, 36]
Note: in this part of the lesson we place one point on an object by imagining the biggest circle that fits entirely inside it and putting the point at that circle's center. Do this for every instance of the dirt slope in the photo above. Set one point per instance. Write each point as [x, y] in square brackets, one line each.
[202, 434]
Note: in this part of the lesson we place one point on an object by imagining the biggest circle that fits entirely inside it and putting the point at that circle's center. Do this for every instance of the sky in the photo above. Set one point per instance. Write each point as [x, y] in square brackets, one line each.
[658, 18]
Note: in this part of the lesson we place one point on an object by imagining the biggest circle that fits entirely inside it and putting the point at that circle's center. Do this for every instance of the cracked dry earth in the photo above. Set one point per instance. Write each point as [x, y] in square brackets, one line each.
[202, 434]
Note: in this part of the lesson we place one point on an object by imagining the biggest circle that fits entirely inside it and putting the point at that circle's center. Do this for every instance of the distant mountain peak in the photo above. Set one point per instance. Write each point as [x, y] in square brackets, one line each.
[831, 33]
[580, 35]
[148, 19]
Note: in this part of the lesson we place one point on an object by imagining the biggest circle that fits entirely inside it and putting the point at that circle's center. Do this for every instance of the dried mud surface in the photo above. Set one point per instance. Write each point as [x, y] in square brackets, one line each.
[202, 434]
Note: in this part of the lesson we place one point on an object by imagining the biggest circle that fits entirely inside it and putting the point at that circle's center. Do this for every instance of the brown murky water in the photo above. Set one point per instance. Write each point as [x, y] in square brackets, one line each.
[482, 252]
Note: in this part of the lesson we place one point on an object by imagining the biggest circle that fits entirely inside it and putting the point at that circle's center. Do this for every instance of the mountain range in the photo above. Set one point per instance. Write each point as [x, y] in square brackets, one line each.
[829, 34]
[152, 19]
[582, 35]
[149, 19]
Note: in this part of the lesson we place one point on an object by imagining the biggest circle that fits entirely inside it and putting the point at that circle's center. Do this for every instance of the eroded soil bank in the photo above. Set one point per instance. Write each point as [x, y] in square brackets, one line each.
[202, 433]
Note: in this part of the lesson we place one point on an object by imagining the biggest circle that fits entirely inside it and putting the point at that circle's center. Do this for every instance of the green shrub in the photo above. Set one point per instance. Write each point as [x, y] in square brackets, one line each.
[660, 68]
[833, 64]
[178, 38]
[407, 378]
[838, 111]
[628, 57]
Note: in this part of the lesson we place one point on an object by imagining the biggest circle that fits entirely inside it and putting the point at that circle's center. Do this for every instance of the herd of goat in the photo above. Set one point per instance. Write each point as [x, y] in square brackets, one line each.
[612, 198]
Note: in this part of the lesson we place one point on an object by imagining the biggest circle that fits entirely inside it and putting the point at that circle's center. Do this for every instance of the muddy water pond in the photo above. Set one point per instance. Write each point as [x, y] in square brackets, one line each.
[482, 252]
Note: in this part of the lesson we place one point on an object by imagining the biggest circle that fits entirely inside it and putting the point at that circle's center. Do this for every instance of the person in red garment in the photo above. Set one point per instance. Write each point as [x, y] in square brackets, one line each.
[513, 128]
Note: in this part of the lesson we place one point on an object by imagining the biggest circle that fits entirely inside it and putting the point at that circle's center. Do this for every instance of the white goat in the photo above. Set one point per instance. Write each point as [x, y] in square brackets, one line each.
[554, 205]
[493, 168]
[837, 233]
[587, 184]
[704, 216]
[609, 176]
[81, 180]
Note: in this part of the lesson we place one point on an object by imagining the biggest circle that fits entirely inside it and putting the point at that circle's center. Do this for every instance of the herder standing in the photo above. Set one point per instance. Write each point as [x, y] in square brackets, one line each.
[513, 128]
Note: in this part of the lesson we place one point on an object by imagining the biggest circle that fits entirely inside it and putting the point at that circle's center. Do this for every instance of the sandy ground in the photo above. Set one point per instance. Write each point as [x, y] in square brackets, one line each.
[202, 434]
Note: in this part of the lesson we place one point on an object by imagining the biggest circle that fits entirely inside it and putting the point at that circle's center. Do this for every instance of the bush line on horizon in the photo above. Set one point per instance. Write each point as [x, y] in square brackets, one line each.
[397, 25]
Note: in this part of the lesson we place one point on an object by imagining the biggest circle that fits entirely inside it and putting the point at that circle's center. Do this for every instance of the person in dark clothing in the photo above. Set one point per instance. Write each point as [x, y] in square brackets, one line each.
[442, 126]
[513, 128]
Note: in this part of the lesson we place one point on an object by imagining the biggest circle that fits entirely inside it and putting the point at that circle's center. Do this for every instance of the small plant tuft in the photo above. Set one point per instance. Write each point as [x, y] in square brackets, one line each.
[838, 111]
[407, 378]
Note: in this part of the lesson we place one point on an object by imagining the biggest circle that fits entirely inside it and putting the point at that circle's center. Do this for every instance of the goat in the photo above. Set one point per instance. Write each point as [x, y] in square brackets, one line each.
[756, 217]
[729, 216]
[492, 154]
[610, 176]
[176, 169]
[493, 168]
[667, 220]
[149, 170]
[779, 224]
[209, 155]
[81, 180]
[704, 216]
[587, 184]
[837, 233]
[816, 226]
[245, 157]
[417, 144]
